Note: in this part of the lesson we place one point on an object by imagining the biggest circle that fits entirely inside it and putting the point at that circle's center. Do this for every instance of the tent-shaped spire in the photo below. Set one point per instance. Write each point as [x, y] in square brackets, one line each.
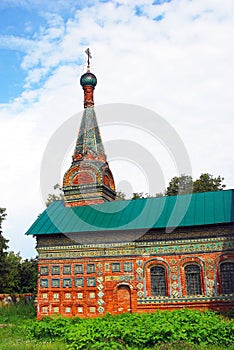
[89, 179]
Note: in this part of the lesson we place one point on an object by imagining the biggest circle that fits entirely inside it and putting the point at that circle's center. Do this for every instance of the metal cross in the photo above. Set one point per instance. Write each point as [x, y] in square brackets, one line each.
[88, 54]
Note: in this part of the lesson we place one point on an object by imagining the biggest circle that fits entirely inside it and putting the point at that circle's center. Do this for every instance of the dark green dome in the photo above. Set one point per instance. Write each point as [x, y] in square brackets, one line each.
[88, 79]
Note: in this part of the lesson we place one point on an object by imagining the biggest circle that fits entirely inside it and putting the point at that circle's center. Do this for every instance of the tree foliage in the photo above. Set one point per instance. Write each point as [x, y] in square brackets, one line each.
[55, 196]
[208, 183]
[184, 184]
[120, 196]
[3, 250]
[28, 276]
[180, 185]
[16, 275]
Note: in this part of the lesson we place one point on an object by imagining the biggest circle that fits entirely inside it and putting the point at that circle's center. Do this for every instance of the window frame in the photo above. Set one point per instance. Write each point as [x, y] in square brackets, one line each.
[194, 286]
[114, 266]
[226, 288]
[160, 289]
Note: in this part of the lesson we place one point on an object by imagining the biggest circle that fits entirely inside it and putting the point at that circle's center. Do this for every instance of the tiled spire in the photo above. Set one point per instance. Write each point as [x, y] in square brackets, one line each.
[89, 179]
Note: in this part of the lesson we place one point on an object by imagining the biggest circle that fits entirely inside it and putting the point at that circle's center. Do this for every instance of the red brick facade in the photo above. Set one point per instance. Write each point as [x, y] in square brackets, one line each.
[117, 278]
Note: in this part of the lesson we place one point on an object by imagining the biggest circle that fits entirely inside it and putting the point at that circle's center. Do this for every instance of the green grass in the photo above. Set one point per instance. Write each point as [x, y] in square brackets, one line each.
[14, 321]
[49, 334]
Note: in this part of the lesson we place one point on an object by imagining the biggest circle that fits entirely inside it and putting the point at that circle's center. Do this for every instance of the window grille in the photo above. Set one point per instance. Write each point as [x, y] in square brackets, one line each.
[56, 282]
[67, 283]
[227, 277]
[67, 269]
[79, 282]
[115, 267]
[79, 268]
[158, 281]
[44, 282]
[90, 268]
[56, 270]
[91, 282]
[193, 279]
[44, 270]
[128, 267]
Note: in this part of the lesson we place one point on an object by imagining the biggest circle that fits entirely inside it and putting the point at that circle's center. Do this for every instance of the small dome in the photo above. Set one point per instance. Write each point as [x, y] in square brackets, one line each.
[88, 79]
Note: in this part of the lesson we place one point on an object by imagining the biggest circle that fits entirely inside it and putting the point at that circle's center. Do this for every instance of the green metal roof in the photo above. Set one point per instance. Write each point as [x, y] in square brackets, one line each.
[161, 212]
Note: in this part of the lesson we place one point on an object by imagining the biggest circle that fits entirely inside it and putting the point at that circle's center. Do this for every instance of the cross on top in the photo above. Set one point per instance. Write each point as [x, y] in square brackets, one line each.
[88, 53]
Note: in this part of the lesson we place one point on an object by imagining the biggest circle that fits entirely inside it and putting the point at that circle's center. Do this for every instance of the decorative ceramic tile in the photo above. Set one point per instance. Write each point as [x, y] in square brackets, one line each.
[139, 270]
[174, 284]
[139, 262]
[56, 270]
[67, 283]
[100, 302]
[100, 294]
[139, 285]
[100, 279]
[56, 296]
[101, 309]
[173, 269]
[67, 269]
[100, 287]
[44, 270]
[55, 282]
[79, 282]
[90, 268]
[128, 266]
[44, 282]
[79, 269]
[91, 282]
[140, 294]
[107, 266]
[115, 267]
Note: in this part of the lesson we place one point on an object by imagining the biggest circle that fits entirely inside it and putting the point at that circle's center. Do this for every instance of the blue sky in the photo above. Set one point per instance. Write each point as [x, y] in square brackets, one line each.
[173, 57]
[25, 20]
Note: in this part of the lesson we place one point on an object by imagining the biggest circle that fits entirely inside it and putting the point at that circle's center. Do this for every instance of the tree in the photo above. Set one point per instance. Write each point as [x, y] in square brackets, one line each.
[28, 276]
[180, 185]
[3, 252]
[58, 195]
[137, 195]
[11, 283]
[208, 183]
[16, 276]
[120, 196]
[184, 184]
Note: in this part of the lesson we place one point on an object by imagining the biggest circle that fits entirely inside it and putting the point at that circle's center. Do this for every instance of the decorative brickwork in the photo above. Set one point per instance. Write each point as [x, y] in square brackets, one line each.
[89, 180]
[97, 279]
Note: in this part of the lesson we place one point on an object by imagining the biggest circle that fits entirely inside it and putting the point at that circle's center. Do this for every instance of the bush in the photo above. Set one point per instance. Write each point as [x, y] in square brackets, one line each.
[139, 331]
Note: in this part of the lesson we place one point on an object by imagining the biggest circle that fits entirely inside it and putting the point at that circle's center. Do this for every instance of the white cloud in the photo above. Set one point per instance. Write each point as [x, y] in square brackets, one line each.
[181, 67]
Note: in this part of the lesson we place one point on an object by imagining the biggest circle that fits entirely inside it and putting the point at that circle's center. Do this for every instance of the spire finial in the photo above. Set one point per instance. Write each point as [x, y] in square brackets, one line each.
[88, 53]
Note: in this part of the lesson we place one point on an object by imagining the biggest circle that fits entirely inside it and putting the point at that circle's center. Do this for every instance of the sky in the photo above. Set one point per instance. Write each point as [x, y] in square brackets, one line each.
[175, 58]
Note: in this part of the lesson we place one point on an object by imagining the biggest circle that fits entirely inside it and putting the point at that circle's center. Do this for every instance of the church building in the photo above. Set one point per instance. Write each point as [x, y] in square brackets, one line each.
[97, 255]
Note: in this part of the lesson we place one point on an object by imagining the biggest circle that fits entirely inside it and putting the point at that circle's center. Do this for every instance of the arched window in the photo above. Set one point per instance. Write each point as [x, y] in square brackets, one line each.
[158, 281]
[227, 277]
[193, 279]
